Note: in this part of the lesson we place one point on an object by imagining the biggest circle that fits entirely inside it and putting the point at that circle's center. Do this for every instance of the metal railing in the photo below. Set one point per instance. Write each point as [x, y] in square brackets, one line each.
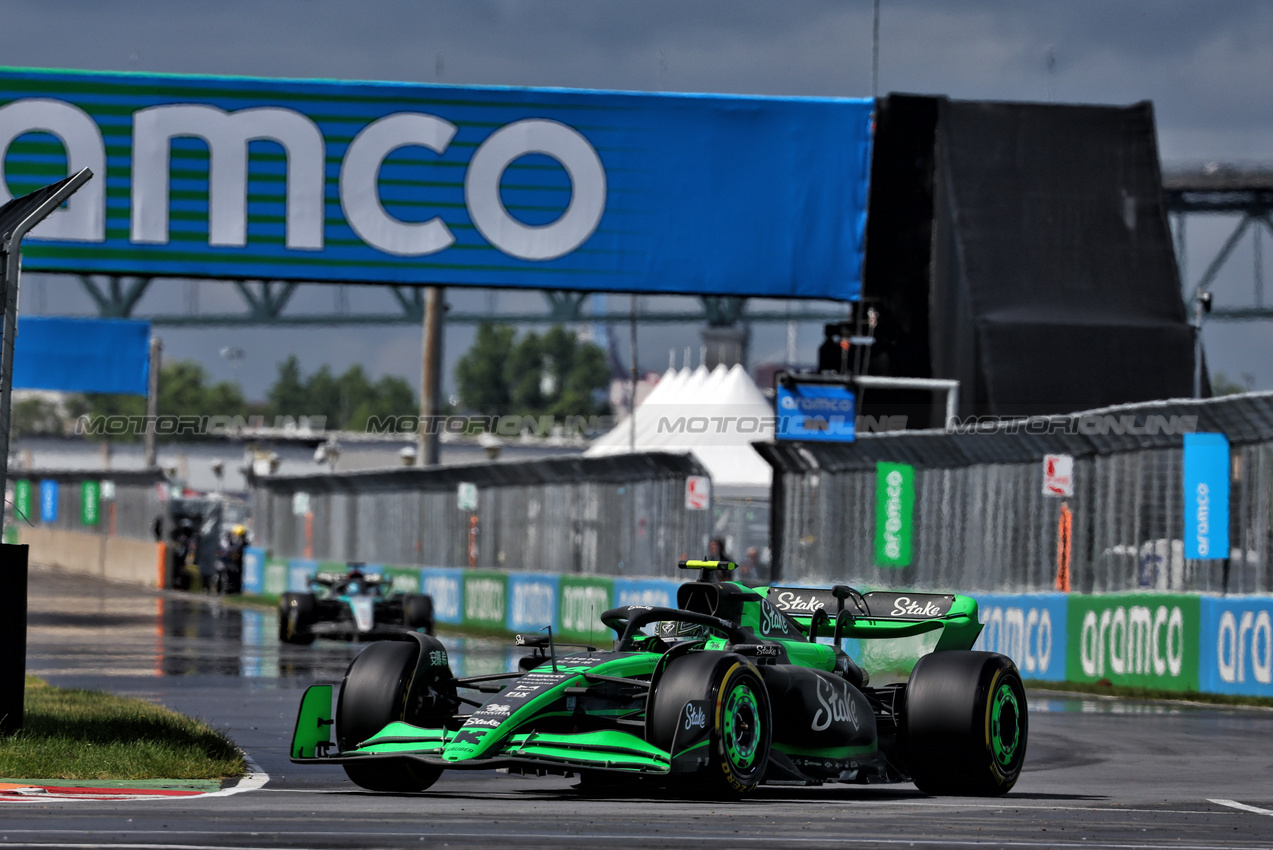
[981, 520]
[618, 515]
[130, 512]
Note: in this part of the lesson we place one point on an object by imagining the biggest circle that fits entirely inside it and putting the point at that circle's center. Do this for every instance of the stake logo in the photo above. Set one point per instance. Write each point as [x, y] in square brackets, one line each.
[695, 716]
[835, 707]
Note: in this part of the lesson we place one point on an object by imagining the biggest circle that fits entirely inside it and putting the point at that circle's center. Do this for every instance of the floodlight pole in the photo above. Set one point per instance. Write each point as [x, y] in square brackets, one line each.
[17, 217]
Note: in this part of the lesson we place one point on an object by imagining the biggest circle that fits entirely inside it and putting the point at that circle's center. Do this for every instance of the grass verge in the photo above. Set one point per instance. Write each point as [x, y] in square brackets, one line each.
[1124, 692]
[78, 734]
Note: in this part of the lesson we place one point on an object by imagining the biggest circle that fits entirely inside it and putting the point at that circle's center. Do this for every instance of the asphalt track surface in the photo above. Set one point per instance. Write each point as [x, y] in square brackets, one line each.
[1099, 773]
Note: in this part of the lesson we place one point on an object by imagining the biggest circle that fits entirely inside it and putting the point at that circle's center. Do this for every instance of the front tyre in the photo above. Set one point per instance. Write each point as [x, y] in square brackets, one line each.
[296, 613]
[417, 612]
[966, 724]
[372, 696]
[738, 711]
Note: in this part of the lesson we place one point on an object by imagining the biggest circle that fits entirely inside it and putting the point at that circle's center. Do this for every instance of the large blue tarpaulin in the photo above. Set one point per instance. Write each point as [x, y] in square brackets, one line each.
[413, 183]
[82, 355]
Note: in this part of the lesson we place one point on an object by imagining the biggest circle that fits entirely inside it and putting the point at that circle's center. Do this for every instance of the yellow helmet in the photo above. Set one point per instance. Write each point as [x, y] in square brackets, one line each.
[239, 530]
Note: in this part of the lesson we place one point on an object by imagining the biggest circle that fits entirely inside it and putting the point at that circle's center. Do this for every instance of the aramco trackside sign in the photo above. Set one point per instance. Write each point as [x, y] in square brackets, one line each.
[409, 183]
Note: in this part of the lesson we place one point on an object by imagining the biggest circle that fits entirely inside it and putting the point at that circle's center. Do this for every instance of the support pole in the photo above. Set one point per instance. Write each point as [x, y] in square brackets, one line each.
[17, 217]
[431, 376]
[152, 400]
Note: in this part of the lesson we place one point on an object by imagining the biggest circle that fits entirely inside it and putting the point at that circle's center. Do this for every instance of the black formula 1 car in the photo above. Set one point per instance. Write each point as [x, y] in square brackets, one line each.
[352, 606]
[731, 689]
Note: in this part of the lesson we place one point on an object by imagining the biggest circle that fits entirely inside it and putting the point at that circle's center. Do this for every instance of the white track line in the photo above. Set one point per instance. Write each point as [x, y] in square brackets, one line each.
[255, 780]
[1233, 804]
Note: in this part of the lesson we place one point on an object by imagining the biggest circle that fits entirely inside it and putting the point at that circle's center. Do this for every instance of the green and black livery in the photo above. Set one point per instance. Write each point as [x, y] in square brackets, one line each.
[735, 687]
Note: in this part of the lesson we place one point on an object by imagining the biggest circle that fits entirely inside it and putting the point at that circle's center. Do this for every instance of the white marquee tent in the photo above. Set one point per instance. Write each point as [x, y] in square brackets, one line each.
[713, 415]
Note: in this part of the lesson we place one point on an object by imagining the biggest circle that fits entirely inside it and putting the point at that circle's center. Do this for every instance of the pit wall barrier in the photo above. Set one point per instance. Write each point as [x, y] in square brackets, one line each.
[91, 553]
[1170, 642]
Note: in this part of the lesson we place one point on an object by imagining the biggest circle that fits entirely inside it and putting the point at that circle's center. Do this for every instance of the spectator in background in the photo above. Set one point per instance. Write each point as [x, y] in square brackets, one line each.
[749, 569]
[716, 550]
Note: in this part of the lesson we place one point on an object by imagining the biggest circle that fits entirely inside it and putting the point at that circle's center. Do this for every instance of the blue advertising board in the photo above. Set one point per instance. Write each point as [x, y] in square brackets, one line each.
[532, 601]
[253, 570]
[427, 184]
[446, 586]
[1236, 645]
[1029, 628]
[655, 592]
[1206, 496]
[48, 500]
[298, 572]
[822, 412]
[82, 355]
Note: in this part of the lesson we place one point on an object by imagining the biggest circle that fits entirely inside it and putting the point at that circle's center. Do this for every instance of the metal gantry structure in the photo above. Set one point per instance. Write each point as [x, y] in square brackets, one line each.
[266, 302]
[1245, 192]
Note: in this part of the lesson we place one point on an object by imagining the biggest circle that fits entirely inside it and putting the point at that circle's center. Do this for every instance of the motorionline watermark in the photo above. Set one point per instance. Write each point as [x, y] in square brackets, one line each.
[507, 425]
[1086, 424]
[761, 425]
[121, 425]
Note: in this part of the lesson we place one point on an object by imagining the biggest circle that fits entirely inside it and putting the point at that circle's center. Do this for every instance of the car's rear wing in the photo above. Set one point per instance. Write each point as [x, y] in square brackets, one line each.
[840, 611]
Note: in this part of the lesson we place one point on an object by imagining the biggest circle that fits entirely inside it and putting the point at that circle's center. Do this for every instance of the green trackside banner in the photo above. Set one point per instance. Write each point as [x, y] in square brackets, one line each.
[580, 602]
[275, 577]
[485, 599]
[90, 502]
[22, 500]
[894, 513]
[1139, 640]
[366, 182]
[403, 579]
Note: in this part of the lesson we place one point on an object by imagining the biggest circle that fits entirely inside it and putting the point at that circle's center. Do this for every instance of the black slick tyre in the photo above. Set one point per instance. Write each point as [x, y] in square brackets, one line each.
[296, 613]
[372, 696]
[966, 724]
[417, 612]
[737, 712]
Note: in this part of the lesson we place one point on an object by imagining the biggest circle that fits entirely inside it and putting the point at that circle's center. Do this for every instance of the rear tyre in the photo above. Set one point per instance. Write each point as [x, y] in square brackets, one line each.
[296, 613]
[737, 711]
[417, 612]
[966, 724]
[372, 696]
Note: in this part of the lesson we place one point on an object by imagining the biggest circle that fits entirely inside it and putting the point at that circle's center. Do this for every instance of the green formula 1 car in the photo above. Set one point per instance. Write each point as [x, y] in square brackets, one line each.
[729, 690]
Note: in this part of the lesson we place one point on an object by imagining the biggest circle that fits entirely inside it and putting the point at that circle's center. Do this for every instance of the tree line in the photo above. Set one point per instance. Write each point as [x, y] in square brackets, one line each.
[554, 373]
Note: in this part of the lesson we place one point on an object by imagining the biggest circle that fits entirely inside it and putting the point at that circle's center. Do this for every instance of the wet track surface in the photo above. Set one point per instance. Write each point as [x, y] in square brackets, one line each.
[1099, 773]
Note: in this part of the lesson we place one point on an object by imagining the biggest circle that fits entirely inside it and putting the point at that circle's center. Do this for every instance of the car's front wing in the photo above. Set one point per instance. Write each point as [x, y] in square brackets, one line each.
[599, 750]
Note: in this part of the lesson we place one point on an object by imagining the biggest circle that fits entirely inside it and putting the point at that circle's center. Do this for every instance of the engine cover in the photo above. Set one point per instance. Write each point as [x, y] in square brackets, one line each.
[815, 709]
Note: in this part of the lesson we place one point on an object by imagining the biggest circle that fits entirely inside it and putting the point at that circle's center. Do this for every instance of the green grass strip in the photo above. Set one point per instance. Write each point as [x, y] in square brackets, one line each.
[69, 733]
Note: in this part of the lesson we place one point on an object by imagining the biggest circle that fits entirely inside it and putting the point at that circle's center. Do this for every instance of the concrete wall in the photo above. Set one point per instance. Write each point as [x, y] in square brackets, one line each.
[114, 558]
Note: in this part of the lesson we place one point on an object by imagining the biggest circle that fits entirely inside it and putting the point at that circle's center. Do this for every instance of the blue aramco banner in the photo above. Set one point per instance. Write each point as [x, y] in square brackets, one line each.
[1237, 646]
[413, 183]
[82, 355]
[1206, 496]
[1029, 628]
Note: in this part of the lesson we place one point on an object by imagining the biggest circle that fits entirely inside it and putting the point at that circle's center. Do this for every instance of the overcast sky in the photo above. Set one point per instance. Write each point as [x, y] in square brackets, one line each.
[1206, 65]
